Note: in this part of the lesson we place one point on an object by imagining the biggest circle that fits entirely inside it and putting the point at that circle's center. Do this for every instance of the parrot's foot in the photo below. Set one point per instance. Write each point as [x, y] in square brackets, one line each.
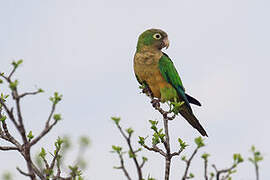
[155, 103]
[146, 90]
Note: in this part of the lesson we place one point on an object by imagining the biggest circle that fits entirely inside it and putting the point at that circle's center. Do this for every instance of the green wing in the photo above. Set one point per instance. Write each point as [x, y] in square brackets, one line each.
[171, 75]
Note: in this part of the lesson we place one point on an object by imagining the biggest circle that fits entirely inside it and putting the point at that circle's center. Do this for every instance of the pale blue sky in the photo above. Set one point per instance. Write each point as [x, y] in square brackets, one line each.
[84, 49]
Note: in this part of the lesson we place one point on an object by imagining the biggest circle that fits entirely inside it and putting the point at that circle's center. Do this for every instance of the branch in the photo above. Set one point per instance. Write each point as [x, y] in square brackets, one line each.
[188, 162]
[8, 137]
[205, 168]
[123, 166]
[177, 153]
[219, 172]
[47, 128]
[10, 114]
[155, 149]
[8, 148]
[156, 105]
[127, 138]
[22, 172]
[30, 93]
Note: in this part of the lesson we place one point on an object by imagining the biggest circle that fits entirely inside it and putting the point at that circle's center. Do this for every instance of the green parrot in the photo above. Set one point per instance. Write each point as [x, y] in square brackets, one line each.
[155, 69]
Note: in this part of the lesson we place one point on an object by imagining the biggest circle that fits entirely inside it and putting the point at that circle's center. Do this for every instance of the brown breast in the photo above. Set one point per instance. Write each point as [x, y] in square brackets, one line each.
[146, 68]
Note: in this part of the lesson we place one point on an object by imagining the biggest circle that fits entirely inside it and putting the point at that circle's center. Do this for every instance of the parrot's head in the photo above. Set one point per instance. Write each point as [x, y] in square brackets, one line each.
[154, 39]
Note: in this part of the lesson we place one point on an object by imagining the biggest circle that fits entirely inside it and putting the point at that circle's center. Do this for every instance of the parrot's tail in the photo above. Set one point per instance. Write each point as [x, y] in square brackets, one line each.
[193, 121]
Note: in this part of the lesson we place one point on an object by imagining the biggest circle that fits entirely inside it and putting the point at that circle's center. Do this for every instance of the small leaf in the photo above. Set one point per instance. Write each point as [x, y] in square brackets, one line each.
[40, 90]
[30, 136]
[84, 141]
[57, 117]
[191, 175]
[144, 158]
[205, 156]
[13, 85]
[117, 149]
[141, 140]
[3, 118]
[43, 153]
[58, 143]
[129, 131]
[116, 120]
[131, 154]
[183, 144]
[199, 142]
[183, 158]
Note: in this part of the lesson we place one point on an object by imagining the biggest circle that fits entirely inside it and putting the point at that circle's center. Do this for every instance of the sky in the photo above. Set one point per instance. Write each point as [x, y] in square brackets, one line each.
[84, 49]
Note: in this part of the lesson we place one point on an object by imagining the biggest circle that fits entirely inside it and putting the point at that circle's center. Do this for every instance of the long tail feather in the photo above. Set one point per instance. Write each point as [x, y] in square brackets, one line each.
[193, 121]
[192, 100]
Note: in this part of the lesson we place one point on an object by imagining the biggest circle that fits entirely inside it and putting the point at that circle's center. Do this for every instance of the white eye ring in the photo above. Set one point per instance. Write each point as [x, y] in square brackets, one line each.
[157, 36]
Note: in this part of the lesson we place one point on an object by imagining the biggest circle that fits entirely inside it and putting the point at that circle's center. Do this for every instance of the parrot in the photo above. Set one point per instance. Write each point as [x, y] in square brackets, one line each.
[154, 69]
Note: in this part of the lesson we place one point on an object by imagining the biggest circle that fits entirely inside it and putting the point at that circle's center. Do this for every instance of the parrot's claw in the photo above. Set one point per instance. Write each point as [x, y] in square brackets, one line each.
[155, 103]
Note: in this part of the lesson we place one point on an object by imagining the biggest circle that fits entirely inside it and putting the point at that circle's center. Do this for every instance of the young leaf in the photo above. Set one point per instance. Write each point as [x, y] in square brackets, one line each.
[116, 120]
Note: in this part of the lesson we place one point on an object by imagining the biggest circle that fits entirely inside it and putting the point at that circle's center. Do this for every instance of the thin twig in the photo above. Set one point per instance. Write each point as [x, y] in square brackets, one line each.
[123, 167]
[155, 149]
[8, 148]
[47, 128]
[205, 168]
[127, 138]
[22, 172]
[188, 163]
[219, 172]
[29, 93]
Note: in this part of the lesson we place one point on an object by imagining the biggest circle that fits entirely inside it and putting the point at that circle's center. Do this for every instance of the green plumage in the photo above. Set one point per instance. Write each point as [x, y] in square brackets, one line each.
[156, 69]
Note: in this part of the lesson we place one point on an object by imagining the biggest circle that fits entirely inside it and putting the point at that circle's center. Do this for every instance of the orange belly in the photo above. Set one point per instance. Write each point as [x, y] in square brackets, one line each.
[155, 81]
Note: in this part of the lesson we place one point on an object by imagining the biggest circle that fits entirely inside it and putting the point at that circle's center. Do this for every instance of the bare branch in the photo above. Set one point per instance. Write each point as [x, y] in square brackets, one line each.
[47, 128]
[177, 153]
[155, 149]
[22, 172]
[10, 113]
[11, 73]
[8, 136]
[205, 168]
[29, 93]
[127, 138]
[188, 163]
[123, 166]
[8, 148]
[219, 172]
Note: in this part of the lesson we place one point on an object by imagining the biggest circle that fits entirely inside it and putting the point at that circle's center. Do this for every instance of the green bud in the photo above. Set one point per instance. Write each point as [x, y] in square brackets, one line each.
[199, 142]
[117, 149]
[57, 117]
[144, 158]
[56, 98]
[205, 156]
[84, 141]
[30, 136]
[40, 90]
[183, 158]
[183, 144]
[191, 175]
[42, 153]
[129, 131]
[116, 120]
[131, 154]
[3, 118]
[13, 85]
[58, 143]
[141, 140]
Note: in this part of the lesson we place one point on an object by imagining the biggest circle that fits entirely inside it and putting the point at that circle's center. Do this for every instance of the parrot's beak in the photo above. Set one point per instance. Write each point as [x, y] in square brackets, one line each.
[166, 42]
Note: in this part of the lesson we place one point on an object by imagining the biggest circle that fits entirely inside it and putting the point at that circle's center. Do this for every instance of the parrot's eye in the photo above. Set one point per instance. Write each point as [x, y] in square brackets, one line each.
[157, 36]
